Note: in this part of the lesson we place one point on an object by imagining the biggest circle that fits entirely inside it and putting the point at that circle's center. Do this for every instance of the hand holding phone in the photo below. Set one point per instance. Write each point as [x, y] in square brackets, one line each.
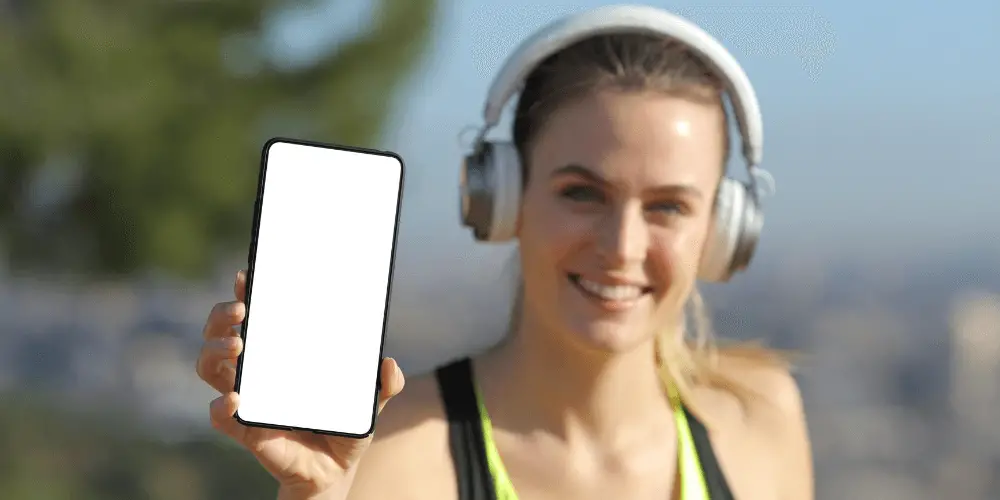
[306, 465]
[309, 376]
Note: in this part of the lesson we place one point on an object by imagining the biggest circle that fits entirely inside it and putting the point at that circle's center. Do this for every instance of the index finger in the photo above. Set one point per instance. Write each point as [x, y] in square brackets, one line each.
[222, 319]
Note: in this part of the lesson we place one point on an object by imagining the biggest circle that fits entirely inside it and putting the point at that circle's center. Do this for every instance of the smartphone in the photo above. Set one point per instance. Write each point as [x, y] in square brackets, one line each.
[318, 283]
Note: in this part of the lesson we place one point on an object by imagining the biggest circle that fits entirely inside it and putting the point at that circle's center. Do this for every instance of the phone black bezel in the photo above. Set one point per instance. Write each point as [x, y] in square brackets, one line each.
[252, 257]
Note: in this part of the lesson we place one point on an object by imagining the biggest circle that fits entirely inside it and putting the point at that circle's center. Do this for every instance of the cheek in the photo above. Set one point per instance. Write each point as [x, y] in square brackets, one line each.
[674, 259]
[689, 244]
[550, 233]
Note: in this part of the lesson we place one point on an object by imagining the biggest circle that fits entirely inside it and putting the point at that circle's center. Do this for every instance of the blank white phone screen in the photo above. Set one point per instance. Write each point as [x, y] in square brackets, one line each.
[319, 288]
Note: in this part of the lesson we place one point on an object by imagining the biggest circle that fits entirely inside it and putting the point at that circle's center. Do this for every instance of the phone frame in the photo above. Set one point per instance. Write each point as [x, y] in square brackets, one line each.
[251, 261]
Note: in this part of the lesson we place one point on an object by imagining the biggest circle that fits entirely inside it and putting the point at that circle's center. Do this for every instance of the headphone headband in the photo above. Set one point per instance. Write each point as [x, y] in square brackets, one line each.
[632, 19]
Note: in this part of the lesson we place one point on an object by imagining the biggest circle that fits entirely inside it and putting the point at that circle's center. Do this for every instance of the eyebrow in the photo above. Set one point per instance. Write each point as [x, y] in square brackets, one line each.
[580, 171]
[670, 189]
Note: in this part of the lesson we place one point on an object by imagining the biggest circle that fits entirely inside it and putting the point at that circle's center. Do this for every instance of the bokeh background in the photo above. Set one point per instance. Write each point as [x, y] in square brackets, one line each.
[130, 133]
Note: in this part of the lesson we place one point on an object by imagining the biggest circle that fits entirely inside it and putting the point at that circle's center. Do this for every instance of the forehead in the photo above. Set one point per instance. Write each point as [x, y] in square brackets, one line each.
[635, 138]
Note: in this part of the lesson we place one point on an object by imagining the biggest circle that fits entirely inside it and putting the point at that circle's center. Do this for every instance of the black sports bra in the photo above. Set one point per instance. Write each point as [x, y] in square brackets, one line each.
[476, 461]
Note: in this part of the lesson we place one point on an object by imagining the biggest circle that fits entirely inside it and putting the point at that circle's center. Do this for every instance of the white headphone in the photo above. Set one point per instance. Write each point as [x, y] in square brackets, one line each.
[491, 174]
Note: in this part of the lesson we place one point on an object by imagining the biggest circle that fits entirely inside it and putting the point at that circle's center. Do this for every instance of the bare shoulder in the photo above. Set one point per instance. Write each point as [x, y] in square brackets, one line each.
[776, 415]
[409, 457]
[776, 391]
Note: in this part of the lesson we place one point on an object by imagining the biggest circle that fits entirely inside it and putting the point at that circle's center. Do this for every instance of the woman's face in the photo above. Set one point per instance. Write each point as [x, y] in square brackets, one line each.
[615, 214]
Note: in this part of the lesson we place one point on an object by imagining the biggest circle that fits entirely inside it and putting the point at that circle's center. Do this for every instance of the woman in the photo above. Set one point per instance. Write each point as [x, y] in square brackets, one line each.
[621, 140]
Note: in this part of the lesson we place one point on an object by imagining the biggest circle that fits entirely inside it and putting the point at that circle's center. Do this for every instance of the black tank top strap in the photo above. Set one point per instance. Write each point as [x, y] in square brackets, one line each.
[715, 479]
[465, 431]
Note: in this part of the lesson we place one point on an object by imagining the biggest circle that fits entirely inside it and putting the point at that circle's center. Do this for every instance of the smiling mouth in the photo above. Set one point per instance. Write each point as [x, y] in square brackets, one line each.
[621, 294]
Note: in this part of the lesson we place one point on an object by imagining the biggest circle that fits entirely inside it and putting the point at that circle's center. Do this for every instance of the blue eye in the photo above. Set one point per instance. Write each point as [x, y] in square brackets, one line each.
[581, 193]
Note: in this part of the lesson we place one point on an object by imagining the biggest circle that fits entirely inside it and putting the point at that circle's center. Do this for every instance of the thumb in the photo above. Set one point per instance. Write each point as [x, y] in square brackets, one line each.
[392, 381]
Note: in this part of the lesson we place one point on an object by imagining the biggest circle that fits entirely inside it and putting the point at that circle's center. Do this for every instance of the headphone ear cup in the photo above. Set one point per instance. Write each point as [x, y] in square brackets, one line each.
[490, 192]
[734, 233]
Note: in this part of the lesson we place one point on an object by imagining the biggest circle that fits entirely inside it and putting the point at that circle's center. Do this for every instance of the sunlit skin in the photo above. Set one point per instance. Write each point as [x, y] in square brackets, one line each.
[620, 191]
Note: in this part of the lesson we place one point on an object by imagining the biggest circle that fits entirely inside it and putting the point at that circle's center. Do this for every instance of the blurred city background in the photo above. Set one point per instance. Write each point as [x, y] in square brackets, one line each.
[130, 135]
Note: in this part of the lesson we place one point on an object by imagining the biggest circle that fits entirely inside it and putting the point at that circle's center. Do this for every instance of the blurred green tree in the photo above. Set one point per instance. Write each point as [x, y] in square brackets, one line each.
[130, 130]
[49, 452]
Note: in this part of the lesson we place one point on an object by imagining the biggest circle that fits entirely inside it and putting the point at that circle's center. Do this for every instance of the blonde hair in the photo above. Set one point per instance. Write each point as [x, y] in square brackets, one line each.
[635, 63]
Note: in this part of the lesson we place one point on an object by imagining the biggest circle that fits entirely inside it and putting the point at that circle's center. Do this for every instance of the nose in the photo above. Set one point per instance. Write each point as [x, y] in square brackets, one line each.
[622, 237]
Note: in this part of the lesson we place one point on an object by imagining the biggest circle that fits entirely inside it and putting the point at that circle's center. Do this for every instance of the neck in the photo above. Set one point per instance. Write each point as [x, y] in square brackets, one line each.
[537, 379]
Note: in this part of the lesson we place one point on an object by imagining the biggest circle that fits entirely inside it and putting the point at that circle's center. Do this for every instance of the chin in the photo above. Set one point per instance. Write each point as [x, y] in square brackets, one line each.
[607, 337]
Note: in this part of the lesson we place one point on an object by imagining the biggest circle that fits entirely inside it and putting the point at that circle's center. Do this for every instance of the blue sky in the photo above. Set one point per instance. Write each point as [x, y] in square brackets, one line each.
[882, 119]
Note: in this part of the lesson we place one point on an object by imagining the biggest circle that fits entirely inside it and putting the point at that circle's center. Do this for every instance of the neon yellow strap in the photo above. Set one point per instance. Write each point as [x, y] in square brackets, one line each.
[501, 480]
[693, 486]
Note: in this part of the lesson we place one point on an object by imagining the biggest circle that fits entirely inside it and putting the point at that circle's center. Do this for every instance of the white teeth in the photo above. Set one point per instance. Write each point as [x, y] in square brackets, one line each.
[615, 292]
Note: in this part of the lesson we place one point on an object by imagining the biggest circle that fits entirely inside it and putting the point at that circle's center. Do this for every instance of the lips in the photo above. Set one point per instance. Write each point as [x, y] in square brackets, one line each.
[609, 293]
